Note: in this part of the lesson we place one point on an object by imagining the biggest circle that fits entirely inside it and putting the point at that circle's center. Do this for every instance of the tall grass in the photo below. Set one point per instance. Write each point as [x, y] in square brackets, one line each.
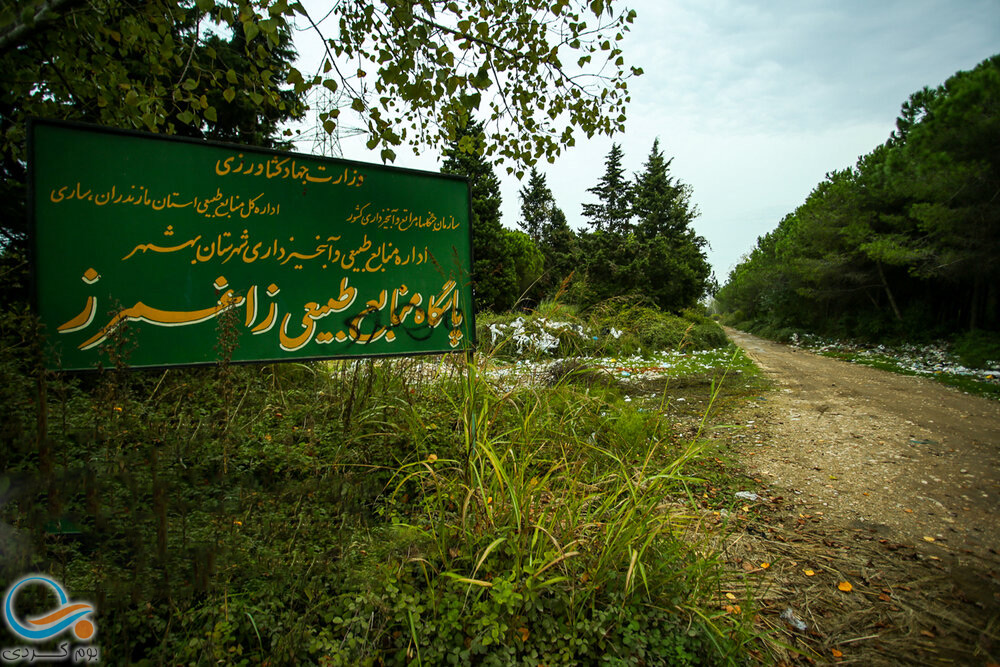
[363, 512]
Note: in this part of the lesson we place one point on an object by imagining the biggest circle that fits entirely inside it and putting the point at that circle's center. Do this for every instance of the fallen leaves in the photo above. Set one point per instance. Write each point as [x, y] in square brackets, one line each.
[808, 573]
[836, 653]
[845, 586]
[928, 538]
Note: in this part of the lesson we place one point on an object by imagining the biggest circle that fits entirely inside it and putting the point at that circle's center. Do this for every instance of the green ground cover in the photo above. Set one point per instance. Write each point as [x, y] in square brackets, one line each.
[403, 511]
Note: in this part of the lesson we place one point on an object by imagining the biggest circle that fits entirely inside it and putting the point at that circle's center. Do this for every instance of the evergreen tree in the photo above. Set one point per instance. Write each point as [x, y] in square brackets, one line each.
[561, 249]
[494, 275]
[661, 205]
[546, 224]
[537, 204]
[903, 244]
[671, 262]
[613, 212]
[609, 249]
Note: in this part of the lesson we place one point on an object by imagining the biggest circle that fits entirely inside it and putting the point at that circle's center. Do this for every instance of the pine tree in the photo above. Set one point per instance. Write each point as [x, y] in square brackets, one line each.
[673, 268]
[494, 276]
[661, 204]
[537, 204]
[613, 212]
[546, 224]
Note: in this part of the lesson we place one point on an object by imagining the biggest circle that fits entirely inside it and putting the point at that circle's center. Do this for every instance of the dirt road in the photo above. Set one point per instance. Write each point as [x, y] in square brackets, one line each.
[904, 455]
[892, 479]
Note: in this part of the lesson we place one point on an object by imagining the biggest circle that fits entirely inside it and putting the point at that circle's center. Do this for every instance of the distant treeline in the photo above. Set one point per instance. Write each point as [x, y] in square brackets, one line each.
[904, 244]
[639, 241]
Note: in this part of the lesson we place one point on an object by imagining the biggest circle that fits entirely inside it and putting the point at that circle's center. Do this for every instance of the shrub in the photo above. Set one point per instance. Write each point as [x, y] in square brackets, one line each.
[979, 349]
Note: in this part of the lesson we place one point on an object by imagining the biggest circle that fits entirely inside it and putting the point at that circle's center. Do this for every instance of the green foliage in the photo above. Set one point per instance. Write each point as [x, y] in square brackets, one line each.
[647, 328]
[903, 244]
[979, 349]
[660, 258]
[347, 513]
[614, 328]
[446, 69]
[528, 264]
[494, 273]
[222, 69]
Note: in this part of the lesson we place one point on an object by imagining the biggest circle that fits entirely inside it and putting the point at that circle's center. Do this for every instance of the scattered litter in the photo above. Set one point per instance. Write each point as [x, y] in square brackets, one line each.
[934, 359]
[747, 495]
[788, 616]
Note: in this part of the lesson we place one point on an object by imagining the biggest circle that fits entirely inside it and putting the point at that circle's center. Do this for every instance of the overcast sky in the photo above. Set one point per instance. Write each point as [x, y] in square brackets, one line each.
[756, 101]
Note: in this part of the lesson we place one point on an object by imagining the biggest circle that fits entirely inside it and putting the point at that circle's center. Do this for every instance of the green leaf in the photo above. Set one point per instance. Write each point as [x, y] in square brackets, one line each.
[229, 94]
[210, 114]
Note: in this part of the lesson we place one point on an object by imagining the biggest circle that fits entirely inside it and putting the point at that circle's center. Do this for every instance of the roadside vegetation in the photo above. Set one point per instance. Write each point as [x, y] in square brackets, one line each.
[395, 511]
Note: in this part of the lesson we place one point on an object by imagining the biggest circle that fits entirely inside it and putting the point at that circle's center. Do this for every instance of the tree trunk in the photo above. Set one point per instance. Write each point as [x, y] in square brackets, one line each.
[974, 303]
[888, 292]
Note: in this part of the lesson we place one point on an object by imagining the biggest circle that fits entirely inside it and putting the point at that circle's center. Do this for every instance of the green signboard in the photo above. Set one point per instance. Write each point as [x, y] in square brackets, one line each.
[165, 247]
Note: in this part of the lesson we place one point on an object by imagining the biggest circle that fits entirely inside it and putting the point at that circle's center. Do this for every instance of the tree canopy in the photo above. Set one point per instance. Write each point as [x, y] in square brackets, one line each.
[537, 71]
[659, 257]
[904, 242]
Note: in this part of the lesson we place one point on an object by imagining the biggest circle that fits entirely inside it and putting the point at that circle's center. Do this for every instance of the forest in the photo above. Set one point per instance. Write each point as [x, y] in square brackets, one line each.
[902, 246]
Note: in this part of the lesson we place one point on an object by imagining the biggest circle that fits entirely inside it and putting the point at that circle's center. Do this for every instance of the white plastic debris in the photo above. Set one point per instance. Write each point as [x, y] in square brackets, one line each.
[788, 616]
[747, 495]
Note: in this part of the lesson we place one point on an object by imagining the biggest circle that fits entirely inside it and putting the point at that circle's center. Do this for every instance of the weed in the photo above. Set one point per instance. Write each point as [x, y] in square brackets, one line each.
[375, 511]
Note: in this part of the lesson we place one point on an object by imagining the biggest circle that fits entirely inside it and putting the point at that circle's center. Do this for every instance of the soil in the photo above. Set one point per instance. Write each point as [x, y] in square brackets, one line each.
[891, 482]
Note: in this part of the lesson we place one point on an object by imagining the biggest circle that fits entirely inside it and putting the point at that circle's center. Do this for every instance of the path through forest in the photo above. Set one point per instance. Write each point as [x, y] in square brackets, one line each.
[898, 475]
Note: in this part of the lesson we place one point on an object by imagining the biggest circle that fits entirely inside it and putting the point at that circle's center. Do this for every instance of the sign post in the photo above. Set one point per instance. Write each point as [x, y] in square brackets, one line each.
[309, 257]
